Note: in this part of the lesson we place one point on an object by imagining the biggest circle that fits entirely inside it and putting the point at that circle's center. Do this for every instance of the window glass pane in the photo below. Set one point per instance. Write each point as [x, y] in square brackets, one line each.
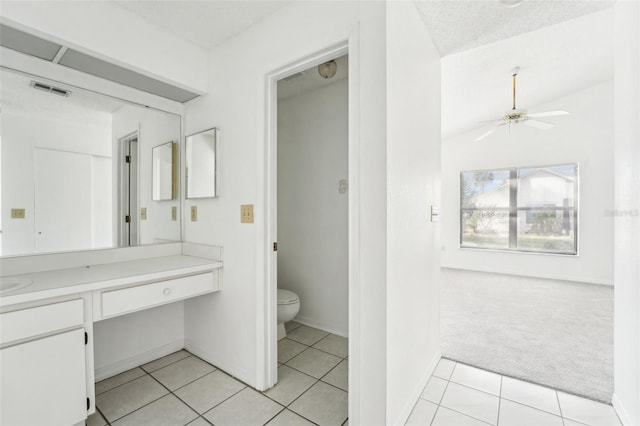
[485, 228]
[485, 188]
[546, 231]
[547, 186]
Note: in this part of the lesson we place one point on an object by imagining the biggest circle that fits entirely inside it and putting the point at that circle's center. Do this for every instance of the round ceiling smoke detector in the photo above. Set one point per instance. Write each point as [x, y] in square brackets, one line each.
[510, 3]
[328, 69]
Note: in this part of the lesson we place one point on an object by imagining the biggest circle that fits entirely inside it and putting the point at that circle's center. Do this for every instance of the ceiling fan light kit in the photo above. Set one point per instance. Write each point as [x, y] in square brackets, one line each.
[517, 116]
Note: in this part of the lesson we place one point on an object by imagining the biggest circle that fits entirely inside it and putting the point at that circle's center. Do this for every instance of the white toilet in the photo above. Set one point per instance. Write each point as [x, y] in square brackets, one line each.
[288, 307]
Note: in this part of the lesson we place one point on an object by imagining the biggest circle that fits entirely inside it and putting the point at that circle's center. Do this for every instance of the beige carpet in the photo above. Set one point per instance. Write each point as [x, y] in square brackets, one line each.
[555, 333]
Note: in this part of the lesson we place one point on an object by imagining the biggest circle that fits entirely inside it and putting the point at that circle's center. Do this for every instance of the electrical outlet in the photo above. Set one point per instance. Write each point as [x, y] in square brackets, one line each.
[246, 213]
[143, 213]
[194, 213]
[174, 213]
[17, 213]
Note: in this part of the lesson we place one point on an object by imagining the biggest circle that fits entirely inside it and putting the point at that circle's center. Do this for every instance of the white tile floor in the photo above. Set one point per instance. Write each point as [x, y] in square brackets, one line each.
[181, 389]
[459, 395]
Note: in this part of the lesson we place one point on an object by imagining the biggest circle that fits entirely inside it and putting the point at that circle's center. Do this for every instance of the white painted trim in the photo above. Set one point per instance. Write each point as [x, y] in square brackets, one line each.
[417, 391]
[355, 154]
[321, 326]
[138, 360]
[267, 366]
[622, 413]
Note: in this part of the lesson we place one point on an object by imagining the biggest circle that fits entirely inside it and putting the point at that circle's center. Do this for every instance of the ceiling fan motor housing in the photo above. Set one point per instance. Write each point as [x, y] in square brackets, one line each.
[515, 115]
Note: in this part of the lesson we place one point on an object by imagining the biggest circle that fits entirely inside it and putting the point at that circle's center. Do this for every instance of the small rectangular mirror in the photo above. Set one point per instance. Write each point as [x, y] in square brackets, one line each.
[201, 164]
[164, 172]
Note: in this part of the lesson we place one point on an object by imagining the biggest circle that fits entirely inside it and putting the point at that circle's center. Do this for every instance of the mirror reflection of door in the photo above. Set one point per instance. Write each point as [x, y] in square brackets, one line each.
[128, 218]
[67, 215]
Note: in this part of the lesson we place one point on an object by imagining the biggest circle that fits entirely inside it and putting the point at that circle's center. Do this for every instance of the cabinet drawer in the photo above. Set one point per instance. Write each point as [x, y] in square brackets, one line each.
[31, 322]
[146, 296]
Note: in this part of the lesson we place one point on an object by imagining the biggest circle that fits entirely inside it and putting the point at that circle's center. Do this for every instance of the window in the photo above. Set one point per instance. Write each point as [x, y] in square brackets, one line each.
[531, 209]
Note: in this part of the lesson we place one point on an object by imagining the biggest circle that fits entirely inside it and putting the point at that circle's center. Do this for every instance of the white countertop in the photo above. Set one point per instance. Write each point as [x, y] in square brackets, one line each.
[63, 282]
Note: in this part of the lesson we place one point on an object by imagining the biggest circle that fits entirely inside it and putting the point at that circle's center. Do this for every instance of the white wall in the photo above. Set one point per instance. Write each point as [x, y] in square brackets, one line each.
[313, 258]
[25, 129]
[413, 185]
[131, 340]
[225, 325]
[154, 128]
[627, 207]
[583, 137]
[109, 32]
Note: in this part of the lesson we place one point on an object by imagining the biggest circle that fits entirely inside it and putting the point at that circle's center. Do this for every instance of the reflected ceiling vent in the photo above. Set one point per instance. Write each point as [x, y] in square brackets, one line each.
[20, 41]
[51, 89]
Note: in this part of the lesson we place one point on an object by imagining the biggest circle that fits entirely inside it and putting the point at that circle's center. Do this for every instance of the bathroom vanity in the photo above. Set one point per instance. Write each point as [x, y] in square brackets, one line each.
[47, 314]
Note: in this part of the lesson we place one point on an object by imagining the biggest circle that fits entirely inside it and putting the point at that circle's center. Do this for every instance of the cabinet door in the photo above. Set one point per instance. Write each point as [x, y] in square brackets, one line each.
[43, 381]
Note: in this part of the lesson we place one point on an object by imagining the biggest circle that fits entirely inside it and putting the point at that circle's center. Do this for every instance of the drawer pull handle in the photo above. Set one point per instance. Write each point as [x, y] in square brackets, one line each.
[166, 291]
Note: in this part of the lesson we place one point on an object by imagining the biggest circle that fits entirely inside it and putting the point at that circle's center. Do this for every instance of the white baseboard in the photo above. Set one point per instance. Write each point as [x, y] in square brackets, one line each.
[417, 391]
[137, 360]
[624, 416]
[228, 367]
[321, 326]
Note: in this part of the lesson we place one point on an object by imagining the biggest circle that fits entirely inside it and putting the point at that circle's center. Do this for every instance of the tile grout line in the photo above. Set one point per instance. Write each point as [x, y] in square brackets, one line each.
[198, 415]
[139, 408]
[441, 397]
[315, 378]
[103, 416]
[209, 409]
[141, 368]
[450, 381]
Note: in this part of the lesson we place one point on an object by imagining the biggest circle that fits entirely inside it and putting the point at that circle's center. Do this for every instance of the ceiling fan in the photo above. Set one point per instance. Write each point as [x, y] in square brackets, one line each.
[517, 116]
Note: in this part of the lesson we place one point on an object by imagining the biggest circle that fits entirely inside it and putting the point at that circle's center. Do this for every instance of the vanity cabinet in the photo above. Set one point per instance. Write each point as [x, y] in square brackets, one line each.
[43, 364]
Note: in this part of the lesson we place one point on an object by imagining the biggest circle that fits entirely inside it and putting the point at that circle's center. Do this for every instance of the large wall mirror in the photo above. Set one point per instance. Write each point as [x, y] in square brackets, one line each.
[201, 150]
[77, 169]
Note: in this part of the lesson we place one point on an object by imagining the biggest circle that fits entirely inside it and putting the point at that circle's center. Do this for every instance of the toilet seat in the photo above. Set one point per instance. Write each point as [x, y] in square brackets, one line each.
[286, 297]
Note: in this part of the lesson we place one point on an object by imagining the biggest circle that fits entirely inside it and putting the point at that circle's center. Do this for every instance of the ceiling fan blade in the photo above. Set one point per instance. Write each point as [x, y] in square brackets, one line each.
[548, 114]
[485, 134]
[538, 124]
[491, 121]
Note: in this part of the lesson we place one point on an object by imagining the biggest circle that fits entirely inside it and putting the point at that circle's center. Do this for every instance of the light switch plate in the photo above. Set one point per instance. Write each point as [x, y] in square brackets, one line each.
[174, 213]
[246, 213]
[194, 213]
[143, 213]
[17, 213]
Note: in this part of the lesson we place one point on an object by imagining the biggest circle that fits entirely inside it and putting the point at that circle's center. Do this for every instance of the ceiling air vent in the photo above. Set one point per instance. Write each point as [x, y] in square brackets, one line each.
[51, 89]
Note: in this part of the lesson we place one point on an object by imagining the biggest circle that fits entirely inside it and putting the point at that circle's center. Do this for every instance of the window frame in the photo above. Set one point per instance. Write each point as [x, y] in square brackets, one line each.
[514, 209]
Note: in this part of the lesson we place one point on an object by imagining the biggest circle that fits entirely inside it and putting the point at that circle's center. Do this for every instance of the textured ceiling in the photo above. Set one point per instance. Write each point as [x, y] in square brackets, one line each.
[205, 23]
[457, 25]
[554, 61]
[561, 46]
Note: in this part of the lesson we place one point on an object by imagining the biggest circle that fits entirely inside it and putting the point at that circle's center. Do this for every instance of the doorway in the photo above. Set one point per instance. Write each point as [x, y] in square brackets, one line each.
[289, 205]
[128, 173]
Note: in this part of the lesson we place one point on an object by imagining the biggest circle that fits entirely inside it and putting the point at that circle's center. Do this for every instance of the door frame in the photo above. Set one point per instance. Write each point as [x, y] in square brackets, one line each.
[267, 365]
[125, 185]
